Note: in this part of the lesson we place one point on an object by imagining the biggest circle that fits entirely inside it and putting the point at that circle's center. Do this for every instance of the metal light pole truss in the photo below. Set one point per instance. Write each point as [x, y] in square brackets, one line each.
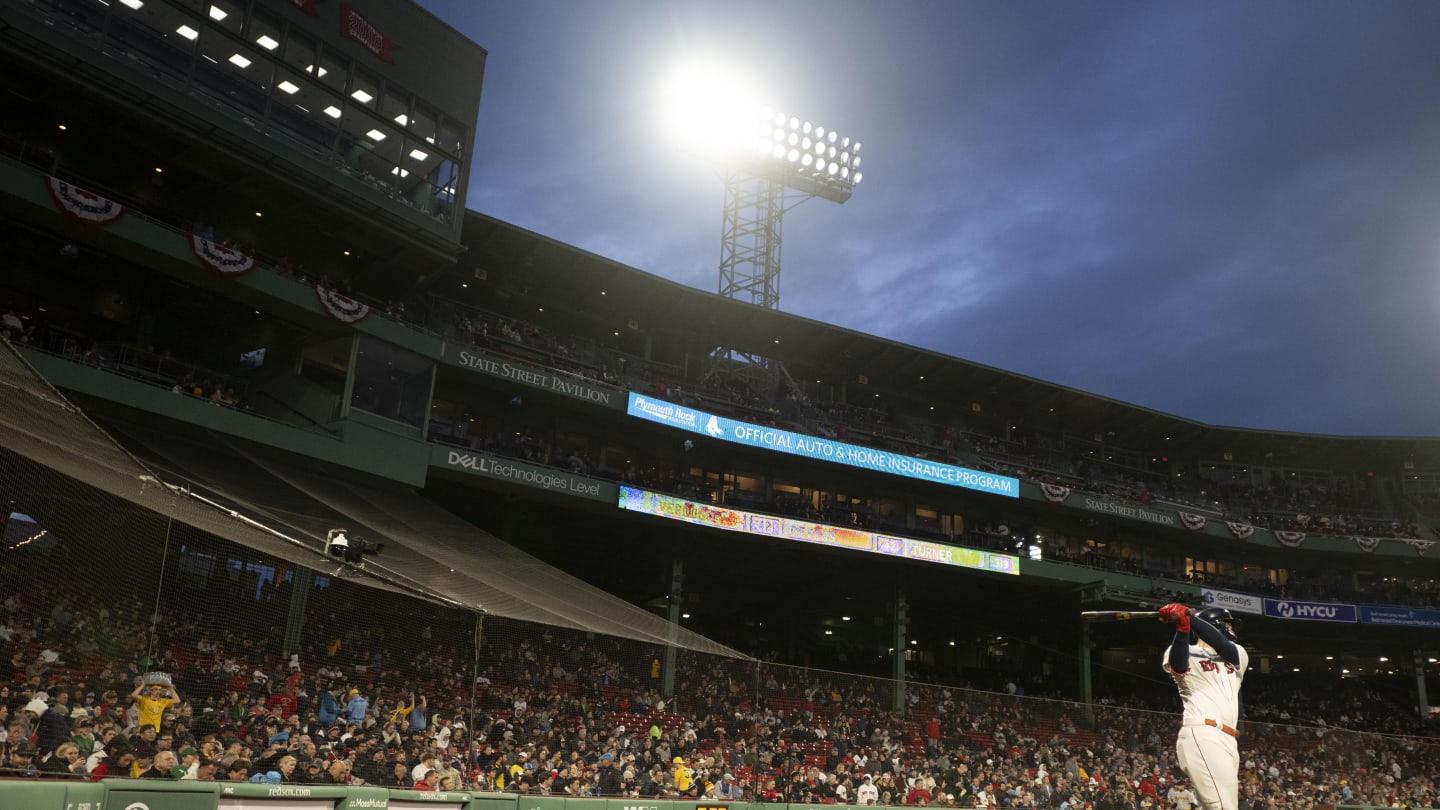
[751, 238]
[789, 161]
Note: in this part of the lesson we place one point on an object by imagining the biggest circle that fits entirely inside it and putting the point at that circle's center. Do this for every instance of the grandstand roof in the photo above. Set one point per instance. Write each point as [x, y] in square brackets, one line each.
[520, 264]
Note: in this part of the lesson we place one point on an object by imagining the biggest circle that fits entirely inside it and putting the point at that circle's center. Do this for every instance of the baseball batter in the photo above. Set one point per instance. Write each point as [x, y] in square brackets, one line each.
[1208, 668]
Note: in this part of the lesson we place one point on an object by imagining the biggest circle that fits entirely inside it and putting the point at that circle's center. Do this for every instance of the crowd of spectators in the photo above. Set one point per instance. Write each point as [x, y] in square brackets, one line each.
[556, 712]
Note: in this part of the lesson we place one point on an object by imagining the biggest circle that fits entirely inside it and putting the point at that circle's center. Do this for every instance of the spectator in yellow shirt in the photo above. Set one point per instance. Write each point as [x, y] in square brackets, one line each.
[151, 701]
[684, 778]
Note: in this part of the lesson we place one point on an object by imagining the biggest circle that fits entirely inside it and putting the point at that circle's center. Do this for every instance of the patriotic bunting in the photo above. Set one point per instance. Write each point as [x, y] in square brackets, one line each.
[1192, 521]
[1367, 544]
[342, 308]
[222, 261]
[1242, 531]
[1420, 546]
[82, 206]
[1290, 539]
[1054, 493]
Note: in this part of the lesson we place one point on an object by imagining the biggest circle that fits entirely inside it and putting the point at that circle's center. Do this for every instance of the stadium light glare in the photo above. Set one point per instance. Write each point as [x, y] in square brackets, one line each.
[711, 112]
[187, 32]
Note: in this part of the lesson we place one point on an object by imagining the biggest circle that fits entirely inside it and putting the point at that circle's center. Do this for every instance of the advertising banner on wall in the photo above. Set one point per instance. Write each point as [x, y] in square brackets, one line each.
[819, 448]
[1399, 616]
[803, 531]
[1235, 602]
[1309, 611]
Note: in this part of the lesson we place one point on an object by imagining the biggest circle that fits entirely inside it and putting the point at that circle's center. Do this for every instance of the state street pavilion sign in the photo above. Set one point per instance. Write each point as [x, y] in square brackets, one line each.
[568, 385]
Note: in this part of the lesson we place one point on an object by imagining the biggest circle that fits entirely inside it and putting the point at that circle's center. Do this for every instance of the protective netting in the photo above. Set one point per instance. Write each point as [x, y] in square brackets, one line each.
[280, 505]
[114, 582]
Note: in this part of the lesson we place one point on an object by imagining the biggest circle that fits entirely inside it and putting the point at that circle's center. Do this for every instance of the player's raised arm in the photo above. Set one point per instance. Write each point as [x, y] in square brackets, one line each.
[1178, 615]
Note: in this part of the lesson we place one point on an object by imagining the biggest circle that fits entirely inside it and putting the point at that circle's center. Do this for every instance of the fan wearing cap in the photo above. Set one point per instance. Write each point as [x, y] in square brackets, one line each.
[728, 789]
[356, 707]
[22, 760]
[608, 778]
[685, 783]
[84, 736]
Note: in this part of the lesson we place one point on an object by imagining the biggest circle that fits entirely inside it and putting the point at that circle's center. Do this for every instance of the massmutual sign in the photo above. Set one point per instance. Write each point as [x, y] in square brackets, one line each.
[511, 471]
[567, 385]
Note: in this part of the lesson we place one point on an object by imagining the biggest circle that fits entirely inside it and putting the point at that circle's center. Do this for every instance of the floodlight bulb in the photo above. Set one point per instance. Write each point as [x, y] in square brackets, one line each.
[856, 150]
[856, 162]
[807, 129]
[833, 152]
[845, 144]
[779, 150]
[819, 133]
[766, 129]
[833, 168]
[710, 109]
[805, 143]
[807, 159]
[763, 146]
[833, 136]
[844, 173]
[856, 179]
[794, 139]
[794, 155]
[794, 122]
[844, 157]
[779, 119]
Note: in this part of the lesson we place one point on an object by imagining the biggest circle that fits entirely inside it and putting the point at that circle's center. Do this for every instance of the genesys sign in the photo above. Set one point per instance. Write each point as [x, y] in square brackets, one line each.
[815, 447]
[522, 473]
[1310, 611]
[1235, 602]
[563, 384]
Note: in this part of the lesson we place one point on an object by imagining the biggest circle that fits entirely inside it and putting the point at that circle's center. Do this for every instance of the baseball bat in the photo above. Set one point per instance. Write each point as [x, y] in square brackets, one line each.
[1117, 615]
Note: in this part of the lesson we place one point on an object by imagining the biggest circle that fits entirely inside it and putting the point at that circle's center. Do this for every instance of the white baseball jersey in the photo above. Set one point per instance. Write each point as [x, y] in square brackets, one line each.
[1211, 689]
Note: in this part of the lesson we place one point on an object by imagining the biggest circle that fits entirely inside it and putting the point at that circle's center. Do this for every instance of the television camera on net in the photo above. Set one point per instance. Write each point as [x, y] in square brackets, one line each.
[350, 548]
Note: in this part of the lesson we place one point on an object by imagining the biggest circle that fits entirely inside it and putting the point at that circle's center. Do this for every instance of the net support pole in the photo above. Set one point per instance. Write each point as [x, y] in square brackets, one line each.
[1421, 699]
[1087, 691]
[902, 619]
[677, 596]
[301, 580]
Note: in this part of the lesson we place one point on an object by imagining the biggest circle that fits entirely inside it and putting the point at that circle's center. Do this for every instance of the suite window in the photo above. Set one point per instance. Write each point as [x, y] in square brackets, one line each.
[227, 15]
[365, 89]
[265, 34]
[392, 382]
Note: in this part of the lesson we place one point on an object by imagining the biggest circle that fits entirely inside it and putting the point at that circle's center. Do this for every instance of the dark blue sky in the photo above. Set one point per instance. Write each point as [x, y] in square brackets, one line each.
[1225, 211]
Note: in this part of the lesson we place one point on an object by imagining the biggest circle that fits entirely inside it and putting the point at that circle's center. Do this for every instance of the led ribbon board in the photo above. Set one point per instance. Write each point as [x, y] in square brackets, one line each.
[784, 441]
[800, 531]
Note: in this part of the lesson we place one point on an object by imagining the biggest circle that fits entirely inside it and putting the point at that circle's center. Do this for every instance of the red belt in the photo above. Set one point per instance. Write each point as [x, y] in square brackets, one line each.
[1227, 729]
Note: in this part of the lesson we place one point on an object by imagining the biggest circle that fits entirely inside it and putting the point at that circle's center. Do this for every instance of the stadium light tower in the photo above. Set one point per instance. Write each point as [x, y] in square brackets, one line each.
[782, 161]
[770, 163]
